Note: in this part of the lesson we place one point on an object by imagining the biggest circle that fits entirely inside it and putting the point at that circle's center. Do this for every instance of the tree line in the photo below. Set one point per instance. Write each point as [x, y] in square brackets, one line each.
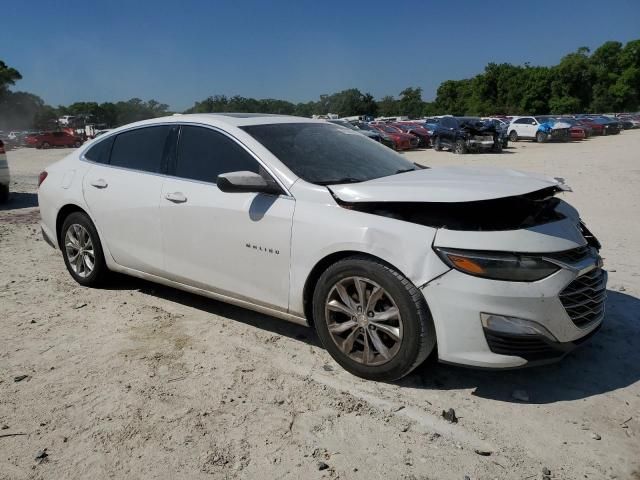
[605, 80]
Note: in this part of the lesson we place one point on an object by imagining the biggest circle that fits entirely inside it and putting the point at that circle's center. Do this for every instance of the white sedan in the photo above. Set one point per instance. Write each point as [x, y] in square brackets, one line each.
[317, 224]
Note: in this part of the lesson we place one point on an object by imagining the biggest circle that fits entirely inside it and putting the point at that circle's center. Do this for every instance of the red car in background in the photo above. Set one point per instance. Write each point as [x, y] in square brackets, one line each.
[424, 139]
[577, 133]
[596, 128]
[53, 139]
[401, 140]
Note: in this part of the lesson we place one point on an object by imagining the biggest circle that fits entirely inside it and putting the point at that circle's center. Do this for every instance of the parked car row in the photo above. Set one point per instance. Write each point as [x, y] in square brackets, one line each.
[40, 139]
[473, 134]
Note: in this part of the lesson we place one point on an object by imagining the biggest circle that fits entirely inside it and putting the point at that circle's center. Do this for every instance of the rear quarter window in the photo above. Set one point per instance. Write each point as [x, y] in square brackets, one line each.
[101, 151]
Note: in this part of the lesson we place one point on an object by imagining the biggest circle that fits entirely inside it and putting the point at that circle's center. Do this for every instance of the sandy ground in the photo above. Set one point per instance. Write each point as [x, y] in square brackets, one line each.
[142, 381]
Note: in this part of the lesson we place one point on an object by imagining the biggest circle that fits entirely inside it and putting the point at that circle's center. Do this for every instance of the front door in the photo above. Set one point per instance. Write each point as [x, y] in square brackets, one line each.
[236, 244]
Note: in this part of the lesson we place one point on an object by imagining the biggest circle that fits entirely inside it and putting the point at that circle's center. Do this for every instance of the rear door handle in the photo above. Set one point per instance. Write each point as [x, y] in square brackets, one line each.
[99, 183]
[176, 197]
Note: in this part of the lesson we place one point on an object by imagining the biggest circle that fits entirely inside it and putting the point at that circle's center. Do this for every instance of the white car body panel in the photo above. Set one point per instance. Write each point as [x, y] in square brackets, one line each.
[237, 244]
[130, 224]
[223, 245]
[444, 184]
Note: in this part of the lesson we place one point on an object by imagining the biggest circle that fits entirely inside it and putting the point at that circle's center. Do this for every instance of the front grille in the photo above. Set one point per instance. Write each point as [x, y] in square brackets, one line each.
[584, 298]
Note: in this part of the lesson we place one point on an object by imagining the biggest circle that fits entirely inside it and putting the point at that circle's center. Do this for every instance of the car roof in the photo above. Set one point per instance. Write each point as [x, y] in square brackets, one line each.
[224, 119]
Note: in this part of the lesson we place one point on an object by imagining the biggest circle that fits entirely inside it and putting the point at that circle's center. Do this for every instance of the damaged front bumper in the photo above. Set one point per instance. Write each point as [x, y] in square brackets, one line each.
[458, 303]
[481, 141]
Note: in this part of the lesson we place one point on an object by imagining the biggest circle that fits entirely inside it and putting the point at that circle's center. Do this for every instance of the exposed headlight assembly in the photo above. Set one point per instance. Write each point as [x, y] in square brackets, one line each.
[498, 265]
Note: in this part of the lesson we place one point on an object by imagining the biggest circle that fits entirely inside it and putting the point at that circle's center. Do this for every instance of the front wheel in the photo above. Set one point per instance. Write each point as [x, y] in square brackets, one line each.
[460, 147]
[541, 137]
[372, 320]
[497, 147]
[437, 145]
[82, 250]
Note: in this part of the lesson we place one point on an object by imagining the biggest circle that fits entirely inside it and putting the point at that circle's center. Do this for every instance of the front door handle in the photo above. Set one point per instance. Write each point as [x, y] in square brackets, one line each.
[99, 183]
[176, 197]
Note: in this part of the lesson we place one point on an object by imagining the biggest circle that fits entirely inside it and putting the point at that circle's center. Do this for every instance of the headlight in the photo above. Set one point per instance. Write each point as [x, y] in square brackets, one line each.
[498, 265]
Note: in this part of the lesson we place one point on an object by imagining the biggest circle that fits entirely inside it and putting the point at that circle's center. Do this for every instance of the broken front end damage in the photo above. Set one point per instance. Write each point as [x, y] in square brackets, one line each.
[480, 136]
[497, 214]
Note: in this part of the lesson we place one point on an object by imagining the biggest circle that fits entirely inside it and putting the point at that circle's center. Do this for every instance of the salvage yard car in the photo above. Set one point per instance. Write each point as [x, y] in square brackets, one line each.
[316, 224]
[53, 139]
[4, 174]
[540, 129]
[466, 134]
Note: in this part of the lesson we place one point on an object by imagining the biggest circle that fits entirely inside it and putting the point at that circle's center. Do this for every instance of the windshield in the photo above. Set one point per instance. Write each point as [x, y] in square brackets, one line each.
[325, 154]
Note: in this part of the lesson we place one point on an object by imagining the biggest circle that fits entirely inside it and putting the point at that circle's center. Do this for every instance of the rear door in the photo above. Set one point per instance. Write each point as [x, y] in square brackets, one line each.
[122, 190]
[235, 244]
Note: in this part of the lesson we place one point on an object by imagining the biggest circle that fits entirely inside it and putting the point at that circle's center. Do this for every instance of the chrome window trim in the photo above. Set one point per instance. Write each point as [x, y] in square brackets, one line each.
[178, 124]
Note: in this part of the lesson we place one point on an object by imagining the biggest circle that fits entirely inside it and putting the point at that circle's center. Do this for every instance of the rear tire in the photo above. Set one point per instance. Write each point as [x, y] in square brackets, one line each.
[82, 250]
[437, 145]
[513, 136]
[4, 193]
[45, 145]
[497, 146]
[541, 137]
[374, 342]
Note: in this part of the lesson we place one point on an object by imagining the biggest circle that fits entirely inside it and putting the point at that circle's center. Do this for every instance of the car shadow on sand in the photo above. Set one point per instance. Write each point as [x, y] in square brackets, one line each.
[214, 307]
[608, 362]
[18, 200]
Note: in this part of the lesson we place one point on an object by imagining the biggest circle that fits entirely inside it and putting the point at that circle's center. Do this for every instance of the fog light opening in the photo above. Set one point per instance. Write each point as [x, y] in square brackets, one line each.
[514, 326]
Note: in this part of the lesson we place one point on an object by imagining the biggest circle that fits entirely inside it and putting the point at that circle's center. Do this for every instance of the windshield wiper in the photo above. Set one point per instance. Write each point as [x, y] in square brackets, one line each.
[340, 180]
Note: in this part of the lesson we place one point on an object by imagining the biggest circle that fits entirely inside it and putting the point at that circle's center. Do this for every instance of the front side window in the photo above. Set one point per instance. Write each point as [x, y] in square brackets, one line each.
[203, 154]
[141, 149]
[325, 154]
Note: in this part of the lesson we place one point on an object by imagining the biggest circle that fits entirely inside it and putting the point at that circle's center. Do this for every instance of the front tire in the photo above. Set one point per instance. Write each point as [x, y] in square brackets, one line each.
[541, 137]
[82, 250]
[437, 145]
[371, 319]
[460, 147]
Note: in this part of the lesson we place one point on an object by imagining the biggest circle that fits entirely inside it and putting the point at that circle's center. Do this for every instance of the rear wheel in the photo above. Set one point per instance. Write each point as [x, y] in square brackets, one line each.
[460, 147]
[4, 193]
[541, 137]
[513, 136]
[371, 319]
[77, 144]
[45, 145]
[437, 146]
[82, 250]
[497, 147]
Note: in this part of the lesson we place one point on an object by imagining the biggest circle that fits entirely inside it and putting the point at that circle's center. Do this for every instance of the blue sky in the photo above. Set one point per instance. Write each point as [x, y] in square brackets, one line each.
[181, 51]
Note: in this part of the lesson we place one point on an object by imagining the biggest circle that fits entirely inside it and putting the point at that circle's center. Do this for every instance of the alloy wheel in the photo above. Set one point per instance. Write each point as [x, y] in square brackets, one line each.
[364, 321]
[79, 250]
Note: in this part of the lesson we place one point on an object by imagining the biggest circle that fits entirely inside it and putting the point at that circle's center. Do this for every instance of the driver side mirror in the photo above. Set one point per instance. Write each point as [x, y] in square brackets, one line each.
[234, 182]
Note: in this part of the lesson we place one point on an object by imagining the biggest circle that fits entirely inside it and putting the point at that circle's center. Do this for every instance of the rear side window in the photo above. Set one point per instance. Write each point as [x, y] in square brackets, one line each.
[203, 154]
[141, 149]
[100, 152]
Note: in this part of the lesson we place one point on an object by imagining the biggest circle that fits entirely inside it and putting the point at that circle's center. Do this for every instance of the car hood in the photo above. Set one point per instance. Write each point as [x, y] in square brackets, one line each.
[446, 184]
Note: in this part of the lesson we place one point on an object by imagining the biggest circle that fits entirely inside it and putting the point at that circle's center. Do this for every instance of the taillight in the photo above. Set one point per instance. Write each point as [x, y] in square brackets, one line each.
[42, 177]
